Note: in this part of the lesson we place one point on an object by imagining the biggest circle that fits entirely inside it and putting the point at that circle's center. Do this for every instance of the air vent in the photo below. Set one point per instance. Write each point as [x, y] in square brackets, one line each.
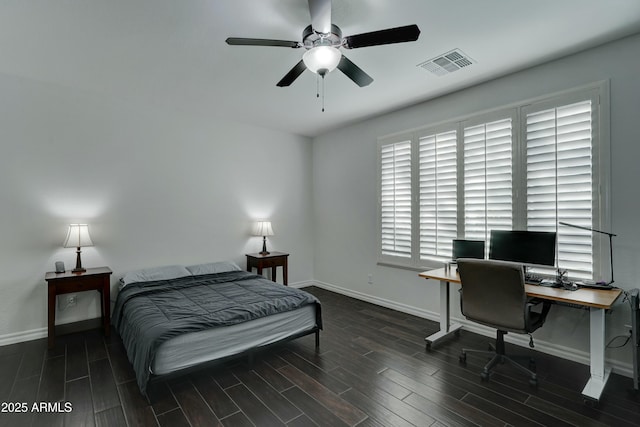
[447, 62]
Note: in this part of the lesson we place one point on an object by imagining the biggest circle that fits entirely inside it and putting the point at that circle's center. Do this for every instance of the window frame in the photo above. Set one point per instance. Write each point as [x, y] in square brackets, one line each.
[601, 169]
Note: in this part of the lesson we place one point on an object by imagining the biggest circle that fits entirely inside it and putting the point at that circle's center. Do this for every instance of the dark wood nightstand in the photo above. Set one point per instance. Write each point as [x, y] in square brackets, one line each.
[94, 279]
[272, 260]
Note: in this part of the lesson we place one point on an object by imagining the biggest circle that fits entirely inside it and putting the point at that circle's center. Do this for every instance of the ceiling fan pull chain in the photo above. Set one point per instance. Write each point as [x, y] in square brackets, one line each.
[323, 93]
[317, 86]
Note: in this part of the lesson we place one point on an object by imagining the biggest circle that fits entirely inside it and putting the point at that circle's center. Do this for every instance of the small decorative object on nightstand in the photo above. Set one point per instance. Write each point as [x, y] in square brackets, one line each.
[272, 260]
[263, 228]
[92, 279]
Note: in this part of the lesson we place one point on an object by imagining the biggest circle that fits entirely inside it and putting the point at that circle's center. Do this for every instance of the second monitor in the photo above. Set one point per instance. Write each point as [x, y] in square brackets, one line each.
[526, 247]
[468, 249]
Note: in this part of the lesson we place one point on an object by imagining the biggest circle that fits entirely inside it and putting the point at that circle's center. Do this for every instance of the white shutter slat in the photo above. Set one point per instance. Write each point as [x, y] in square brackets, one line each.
[488, 177]
[560, 181]
[395, 199]
[438, 194]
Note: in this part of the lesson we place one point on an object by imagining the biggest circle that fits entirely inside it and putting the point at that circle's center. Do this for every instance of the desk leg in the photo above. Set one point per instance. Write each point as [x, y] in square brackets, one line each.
[599, 373]
[446, 328]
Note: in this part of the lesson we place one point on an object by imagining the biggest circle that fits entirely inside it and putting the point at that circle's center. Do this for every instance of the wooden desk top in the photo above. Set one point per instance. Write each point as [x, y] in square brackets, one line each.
[599, 298]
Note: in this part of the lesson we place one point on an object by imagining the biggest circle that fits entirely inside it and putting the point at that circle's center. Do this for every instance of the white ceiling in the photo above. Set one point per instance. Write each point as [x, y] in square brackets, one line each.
[172, 53]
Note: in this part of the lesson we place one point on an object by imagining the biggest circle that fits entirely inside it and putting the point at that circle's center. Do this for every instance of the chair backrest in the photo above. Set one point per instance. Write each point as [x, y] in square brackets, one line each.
[493, 293]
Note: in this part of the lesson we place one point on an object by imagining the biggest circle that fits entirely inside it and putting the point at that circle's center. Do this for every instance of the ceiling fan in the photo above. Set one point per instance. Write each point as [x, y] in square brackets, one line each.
[323, 40]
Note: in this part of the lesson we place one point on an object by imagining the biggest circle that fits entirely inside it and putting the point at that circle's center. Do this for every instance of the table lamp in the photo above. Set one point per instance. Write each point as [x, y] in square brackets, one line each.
[263, 228]
[78, 237]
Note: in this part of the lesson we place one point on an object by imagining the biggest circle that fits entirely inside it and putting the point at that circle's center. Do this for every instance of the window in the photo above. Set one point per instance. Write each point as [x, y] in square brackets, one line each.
[488, 173]
[438, 194]
[560, 180]
[395, 199]
[528, 167]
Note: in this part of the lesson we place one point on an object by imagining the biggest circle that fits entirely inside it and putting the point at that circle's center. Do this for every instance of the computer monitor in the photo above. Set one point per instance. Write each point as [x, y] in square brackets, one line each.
[526, 247]
[468, 249]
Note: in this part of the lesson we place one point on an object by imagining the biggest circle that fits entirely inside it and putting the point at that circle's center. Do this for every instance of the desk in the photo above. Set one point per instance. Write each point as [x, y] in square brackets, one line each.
[271, 260]
[94, 279]
[597, 300]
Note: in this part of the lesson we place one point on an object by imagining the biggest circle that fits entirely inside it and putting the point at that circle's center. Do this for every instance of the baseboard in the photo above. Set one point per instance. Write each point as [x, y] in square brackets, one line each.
[61, 329]
[553, 349]
[303, 284]
[18, 337]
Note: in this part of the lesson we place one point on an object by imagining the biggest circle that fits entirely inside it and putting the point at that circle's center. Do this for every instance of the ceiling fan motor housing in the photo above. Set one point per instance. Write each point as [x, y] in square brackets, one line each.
[311, 38]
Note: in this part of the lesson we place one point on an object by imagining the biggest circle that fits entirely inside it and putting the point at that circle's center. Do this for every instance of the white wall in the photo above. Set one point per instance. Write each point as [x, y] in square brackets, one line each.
[345, 199]
[155, 187]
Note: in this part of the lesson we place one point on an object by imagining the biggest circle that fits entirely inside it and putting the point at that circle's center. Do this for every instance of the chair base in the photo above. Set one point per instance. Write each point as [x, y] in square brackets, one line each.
[499, 356]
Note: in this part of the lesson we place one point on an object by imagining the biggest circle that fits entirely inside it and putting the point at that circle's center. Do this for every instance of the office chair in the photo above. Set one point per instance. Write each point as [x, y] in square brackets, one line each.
[493, 294]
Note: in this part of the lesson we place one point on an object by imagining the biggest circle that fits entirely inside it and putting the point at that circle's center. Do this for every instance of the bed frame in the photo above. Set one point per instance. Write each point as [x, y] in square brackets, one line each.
[249, 353]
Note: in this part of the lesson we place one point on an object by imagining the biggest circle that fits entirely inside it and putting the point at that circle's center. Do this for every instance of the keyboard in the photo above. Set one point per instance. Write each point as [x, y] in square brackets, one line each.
[593, 285]
[533, 279]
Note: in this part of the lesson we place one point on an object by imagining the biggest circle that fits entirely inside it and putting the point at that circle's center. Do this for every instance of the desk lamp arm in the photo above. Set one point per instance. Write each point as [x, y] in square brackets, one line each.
[611, 235]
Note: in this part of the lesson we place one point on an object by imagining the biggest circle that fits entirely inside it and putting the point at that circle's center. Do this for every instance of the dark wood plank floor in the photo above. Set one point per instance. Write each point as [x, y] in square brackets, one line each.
[371, 370]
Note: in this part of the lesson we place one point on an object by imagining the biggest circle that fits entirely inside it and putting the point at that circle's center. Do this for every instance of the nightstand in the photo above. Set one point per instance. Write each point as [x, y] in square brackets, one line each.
[271, 260]
[94, 279]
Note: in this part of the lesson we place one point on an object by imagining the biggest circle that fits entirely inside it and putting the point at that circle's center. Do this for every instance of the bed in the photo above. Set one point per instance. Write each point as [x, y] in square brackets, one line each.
[175, 318]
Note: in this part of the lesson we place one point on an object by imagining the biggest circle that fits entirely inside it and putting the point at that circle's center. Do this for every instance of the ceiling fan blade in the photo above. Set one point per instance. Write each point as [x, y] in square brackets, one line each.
[320, 11]
[408, 33]
[293, 74]
[354, 72]
[239, 41]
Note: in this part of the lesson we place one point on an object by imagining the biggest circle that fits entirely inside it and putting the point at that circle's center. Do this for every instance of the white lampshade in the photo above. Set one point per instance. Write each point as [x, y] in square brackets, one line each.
[262, 228]
[78, 236]
[322, 58]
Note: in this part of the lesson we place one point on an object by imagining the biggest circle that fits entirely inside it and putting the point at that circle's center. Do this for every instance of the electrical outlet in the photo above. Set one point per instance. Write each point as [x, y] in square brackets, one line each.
[66, 301]
[72, 300]
[629, 329]
[370, 279]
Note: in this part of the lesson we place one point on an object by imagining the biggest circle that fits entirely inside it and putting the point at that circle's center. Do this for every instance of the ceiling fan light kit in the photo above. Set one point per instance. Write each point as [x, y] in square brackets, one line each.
[323, 41]
[321, 59]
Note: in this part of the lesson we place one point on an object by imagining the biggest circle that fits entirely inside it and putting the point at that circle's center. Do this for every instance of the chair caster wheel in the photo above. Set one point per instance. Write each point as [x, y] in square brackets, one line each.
[533, 383]
[463, 359]
[484, 377]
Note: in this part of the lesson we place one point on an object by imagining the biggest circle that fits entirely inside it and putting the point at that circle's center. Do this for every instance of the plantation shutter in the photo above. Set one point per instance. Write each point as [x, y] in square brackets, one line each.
[560, 181]
[438, 194]
[395, 199]
[488, 195]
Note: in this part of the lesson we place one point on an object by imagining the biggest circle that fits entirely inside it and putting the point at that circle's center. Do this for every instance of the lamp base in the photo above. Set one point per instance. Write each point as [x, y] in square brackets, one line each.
[79, 268]
[264, 246]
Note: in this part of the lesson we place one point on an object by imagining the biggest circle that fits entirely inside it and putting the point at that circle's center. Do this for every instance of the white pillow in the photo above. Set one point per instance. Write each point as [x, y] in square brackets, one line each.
[213, 267]
[156, 273]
